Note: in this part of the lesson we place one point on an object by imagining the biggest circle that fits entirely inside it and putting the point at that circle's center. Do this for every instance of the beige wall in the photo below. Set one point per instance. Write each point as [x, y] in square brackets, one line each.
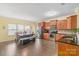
[77, 12]
[3, 27]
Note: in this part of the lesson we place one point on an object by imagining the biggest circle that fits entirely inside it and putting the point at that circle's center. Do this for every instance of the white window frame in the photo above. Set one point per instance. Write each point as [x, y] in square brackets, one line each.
[20, 27]
[12, 29]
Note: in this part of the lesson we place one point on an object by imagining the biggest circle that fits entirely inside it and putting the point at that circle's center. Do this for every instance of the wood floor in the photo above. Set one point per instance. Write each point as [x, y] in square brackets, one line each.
[38, 48]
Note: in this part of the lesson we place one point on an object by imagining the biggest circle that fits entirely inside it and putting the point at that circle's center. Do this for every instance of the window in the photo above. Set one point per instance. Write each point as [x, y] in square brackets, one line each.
[28, 29]
[11, 29]
[20, 28]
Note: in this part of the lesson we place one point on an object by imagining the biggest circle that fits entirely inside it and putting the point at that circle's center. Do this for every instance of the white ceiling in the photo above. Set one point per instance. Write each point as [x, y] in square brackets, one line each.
[36, 11]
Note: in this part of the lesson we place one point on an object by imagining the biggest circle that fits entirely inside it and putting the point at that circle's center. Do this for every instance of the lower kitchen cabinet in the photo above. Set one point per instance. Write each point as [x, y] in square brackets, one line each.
[45, 36]
[65, 49]
[58, 37]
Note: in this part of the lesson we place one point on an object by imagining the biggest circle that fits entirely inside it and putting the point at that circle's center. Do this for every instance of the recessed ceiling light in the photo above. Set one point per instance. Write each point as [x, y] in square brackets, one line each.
[51, 13]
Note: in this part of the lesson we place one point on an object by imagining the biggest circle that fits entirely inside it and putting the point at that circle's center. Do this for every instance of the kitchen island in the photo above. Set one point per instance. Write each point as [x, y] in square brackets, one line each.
[68, 44]
[65, 49]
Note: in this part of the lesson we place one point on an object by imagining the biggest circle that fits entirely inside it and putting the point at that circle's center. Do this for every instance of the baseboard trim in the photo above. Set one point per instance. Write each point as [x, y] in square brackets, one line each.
[6, 41]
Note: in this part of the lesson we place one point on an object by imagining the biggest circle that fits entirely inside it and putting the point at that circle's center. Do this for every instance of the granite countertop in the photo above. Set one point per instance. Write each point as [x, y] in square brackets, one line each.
[69, 43]
[72, 39]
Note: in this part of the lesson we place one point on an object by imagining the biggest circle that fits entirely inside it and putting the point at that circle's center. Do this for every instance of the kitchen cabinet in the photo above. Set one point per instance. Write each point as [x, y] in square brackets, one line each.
[41, 24]
[65, 49]
[58, 25]
[69, 23]
[58, 37]
[45, 36]
[52, 22]
[72, 22]
[47, 25]
[61, 24]
[45, 30]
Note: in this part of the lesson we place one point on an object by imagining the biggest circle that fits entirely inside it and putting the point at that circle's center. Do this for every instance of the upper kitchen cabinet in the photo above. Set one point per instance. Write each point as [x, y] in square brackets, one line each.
[61, 24]
[69, 23]
[53, 22]
[72, 22]
[58, 24]
[47, 25]
[41, 24]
